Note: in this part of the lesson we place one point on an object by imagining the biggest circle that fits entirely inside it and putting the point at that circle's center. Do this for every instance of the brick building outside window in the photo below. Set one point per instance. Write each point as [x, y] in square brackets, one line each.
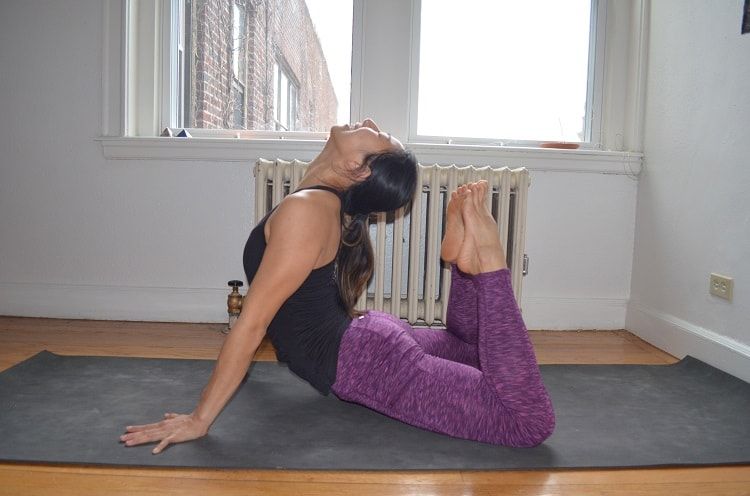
[256, 64]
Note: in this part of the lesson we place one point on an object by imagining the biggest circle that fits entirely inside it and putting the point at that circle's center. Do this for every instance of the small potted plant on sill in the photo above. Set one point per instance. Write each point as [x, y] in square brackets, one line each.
[565, 145]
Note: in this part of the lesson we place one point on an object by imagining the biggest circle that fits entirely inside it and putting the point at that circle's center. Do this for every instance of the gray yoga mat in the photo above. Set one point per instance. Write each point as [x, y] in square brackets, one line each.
[72, 409]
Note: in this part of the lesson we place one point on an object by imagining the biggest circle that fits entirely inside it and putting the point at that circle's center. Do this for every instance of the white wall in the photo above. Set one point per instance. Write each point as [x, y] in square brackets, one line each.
[86, 237]
[693, 214]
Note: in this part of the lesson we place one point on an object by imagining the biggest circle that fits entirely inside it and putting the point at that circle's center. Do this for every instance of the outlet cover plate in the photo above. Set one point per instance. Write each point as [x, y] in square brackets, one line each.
[721, 286]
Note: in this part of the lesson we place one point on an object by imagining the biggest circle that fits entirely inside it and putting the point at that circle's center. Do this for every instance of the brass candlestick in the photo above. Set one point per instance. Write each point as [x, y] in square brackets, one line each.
[234, 303]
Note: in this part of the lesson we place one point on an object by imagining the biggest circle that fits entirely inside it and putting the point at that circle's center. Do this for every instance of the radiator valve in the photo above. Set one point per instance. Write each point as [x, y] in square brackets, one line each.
[234, 303]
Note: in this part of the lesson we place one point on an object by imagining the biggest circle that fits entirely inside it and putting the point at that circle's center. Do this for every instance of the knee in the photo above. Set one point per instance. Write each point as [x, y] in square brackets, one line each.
[534, 430]
[523, 429]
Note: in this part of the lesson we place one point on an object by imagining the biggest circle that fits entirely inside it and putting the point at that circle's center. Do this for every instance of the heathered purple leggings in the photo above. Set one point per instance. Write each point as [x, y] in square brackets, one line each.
[479, 381]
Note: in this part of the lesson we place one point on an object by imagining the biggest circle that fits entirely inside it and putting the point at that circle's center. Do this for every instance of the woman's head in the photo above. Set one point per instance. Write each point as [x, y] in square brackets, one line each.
[352, 143]
[382, 174]
[390, 184]
[383, 178]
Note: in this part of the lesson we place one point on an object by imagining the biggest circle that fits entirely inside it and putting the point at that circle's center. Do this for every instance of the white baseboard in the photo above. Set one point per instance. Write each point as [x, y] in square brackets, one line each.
[679, 338]
[553, 313]
[158, 304]
[101, 302]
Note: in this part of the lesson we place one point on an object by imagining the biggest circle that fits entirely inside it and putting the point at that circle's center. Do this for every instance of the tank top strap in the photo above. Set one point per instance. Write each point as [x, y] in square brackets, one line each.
[338, 193]
[322, 186]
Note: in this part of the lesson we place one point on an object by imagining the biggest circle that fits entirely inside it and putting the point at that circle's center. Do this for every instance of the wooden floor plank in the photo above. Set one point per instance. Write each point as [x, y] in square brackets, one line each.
[22, 337]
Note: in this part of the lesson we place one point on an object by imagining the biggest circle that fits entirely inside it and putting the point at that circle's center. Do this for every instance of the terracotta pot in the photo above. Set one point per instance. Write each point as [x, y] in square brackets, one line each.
[560, 144]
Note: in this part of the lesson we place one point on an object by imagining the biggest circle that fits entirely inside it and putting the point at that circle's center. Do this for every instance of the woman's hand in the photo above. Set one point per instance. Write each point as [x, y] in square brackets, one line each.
[174, 428]
[234, 359]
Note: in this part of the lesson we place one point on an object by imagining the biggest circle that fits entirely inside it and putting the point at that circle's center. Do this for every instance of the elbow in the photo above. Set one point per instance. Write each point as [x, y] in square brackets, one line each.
[248, 330]
[245, 339]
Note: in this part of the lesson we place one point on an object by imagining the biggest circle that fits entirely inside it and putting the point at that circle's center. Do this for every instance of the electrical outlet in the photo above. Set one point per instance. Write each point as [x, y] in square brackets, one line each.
[721, 286]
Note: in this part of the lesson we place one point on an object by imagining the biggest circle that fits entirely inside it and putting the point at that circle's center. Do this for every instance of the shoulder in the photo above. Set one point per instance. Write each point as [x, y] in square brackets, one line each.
[307, 209]
[301, 204]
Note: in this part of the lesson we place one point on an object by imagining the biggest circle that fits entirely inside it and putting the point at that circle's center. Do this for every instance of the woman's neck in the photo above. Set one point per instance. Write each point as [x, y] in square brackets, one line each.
[321, 171]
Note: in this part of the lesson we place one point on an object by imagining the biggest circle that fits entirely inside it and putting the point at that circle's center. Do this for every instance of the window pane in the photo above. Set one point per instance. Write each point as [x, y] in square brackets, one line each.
[244, 39]
[283, 100]
[239, 106]
[275, 93]
[513, 70]
[293, 108]
[238, 38]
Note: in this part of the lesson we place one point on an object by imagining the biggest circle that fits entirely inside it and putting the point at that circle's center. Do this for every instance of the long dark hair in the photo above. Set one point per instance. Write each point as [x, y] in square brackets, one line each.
[391, 185]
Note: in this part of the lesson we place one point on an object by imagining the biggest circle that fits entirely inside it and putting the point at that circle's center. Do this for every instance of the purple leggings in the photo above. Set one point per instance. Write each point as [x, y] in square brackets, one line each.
[479, 381]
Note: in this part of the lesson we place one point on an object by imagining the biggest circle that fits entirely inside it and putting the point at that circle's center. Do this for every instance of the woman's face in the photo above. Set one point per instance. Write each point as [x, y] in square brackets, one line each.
[355, 141]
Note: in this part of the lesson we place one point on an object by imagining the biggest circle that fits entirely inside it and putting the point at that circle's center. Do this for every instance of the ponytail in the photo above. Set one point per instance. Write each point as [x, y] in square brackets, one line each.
[390, 186]
[355, 262]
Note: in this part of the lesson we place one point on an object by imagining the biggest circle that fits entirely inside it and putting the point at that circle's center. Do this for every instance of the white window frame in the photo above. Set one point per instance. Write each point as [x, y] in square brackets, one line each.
[138, 104]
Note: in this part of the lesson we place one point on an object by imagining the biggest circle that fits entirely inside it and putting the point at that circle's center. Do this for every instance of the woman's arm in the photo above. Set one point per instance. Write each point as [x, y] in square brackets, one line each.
[234, 359]
[293, 248]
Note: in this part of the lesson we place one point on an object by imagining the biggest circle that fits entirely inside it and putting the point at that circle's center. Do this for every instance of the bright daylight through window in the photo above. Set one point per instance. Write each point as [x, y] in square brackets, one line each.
[271, 65]
[505, 70]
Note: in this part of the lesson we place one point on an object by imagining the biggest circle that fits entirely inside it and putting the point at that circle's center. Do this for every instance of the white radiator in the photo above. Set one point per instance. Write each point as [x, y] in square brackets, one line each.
[411, 268]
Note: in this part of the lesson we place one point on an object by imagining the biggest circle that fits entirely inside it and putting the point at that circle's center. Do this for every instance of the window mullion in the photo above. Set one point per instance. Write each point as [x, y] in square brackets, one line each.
[147, 56]
[170, 78]
[595, 80]
[413, 97]
[385, 61]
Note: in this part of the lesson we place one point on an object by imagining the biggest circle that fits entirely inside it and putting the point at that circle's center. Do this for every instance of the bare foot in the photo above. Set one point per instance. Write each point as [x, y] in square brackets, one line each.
[481, 250]
[454, 226]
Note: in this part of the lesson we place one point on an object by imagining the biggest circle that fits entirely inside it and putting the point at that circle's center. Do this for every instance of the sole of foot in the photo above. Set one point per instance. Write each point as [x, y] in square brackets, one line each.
[481, 250]
[454, 226]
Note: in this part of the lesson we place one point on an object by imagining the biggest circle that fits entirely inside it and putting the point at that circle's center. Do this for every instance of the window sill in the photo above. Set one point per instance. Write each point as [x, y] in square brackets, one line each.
[246, 150]
[531, 157]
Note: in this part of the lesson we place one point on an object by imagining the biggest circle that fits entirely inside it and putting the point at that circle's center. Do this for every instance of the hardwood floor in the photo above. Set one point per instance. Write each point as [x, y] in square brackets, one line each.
[21, 338]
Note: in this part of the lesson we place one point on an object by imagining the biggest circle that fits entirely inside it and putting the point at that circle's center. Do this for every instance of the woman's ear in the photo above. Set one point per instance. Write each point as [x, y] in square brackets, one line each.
[358, 170]
[363, 172]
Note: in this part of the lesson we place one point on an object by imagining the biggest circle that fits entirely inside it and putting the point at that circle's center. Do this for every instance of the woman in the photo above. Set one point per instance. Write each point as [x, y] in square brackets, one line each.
[479, 380]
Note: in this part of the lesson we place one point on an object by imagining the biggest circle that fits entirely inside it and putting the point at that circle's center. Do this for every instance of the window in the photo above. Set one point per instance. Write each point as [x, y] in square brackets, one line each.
[272, 65]
[392, 76]
[284, 100]
[238, 40]
[239, 29]
[510, 71]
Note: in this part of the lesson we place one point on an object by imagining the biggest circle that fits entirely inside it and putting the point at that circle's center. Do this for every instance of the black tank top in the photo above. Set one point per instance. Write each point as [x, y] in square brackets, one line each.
[307, 329]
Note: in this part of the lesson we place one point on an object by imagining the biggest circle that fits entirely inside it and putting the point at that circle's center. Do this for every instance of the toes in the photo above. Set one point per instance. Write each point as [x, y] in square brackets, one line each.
[463, 192]
[453, 207]
[476, 196]
[467, 207]
[480, 186]
[459, 197]
[456, 200]
[482, 197]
